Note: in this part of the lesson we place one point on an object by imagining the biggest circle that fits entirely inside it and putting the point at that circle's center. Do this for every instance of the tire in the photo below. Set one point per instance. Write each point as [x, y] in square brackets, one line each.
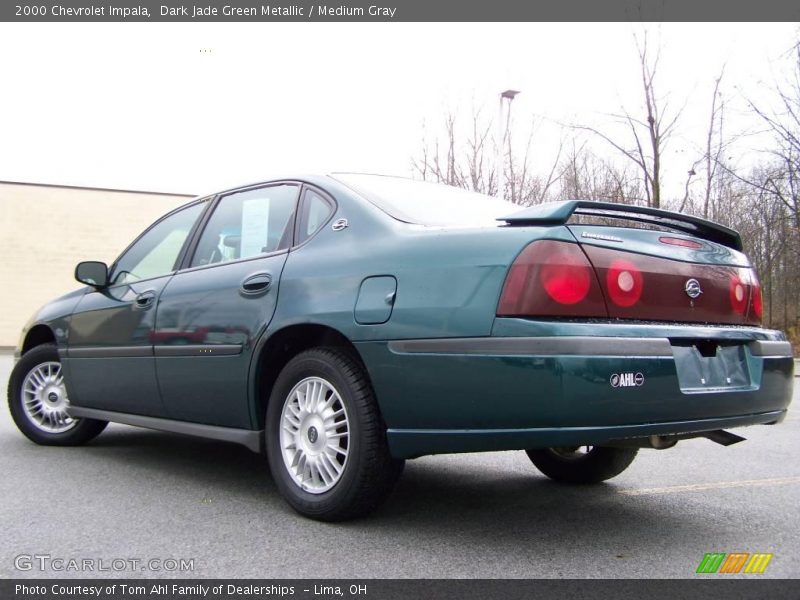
[37, 400]
[325, 439]
[570, 465]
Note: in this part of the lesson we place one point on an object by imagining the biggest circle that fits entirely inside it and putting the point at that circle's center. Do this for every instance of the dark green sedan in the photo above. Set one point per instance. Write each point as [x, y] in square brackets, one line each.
[343, 324]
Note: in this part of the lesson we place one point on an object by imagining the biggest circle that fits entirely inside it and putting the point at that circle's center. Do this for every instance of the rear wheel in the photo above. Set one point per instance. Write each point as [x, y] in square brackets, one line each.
[325, 439]
[582, 464]
[38, 401]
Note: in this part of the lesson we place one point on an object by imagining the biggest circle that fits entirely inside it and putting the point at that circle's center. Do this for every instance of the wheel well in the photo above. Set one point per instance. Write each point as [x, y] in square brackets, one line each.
[38, 335]
[284, 345]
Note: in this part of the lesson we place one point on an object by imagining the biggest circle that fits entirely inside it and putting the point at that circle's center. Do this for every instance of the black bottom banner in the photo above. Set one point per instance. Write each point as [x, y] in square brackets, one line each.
[416, 589]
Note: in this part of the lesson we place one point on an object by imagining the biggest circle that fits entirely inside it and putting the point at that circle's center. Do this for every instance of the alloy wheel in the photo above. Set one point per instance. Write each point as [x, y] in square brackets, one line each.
[315, 435]
[44, 398]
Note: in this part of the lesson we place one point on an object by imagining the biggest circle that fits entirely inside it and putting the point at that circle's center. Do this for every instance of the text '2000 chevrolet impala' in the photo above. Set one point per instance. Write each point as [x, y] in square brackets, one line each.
[343, 324]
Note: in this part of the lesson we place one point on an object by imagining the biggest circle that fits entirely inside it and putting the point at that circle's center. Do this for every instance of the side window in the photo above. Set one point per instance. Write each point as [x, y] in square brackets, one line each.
[155, 253]
[316, 211]
[247, 224]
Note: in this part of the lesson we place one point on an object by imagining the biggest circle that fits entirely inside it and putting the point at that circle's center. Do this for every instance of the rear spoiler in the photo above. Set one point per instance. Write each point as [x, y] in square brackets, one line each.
[558, 213]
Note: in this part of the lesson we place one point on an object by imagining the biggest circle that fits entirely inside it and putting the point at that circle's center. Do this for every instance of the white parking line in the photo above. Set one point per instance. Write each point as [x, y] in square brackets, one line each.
[696, 487]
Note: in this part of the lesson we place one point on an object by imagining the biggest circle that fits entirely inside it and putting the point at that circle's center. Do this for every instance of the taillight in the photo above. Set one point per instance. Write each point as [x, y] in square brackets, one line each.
[738, 295]
[757, 301]
[566, 276]
[624, 283]
[564, 279]
[758, 307]
[551, 278]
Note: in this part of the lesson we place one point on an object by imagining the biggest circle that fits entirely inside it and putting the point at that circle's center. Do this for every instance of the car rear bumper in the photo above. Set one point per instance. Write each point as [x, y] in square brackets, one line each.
[408, 443]
[575, 383]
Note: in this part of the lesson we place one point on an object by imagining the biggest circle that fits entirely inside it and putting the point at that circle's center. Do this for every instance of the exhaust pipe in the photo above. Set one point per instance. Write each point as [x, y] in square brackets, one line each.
[724, 438]
[662, 442]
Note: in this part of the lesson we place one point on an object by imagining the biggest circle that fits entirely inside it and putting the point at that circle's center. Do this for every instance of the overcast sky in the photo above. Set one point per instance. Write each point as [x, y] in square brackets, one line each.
[193, 107]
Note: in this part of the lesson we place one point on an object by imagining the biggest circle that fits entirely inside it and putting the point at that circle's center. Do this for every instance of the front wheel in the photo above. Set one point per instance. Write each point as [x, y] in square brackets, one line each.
[582, 464]
[38, 402]
[325, 439]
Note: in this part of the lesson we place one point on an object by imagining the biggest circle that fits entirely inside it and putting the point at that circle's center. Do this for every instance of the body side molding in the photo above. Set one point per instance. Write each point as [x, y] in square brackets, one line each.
[198, 350]
[537, 346]
[110, 352]
[252, 439]
[149, 351]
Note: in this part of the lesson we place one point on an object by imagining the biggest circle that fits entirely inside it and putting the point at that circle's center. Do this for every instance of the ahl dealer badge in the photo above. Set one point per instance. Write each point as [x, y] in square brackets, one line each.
[619, 380]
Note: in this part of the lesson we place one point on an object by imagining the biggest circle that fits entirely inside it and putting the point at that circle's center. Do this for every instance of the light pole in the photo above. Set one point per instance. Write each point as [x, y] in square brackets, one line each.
[503, 118]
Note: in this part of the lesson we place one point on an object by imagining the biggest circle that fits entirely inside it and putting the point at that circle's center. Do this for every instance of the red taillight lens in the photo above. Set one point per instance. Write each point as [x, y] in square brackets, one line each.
[551, 278]
[566, 277]
[757, 306]
[738, 295]
[624, 283]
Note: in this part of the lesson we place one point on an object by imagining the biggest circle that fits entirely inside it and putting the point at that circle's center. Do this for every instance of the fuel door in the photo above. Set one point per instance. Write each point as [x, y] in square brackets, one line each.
[375, 300]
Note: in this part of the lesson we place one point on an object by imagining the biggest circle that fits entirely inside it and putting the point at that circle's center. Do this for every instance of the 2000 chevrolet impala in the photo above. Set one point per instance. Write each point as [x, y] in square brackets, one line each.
[345, 323]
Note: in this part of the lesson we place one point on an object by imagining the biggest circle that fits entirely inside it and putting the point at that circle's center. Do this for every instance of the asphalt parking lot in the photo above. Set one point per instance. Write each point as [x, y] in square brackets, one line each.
[140, 494]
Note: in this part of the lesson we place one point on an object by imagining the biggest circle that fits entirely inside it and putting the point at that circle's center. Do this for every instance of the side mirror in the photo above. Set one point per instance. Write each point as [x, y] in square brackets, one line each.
[93, 273]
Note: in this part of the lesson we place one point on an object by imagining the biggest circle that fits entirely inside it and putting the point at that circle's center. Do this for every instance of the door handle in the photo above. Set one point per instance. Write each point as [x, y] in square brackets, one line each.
[145, 300]
[256, 284]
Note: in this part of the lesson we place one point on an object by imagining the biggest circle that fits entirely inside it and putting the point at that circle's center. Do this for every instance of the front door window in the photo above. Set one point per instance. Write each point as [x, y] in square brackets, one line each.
[155, 252]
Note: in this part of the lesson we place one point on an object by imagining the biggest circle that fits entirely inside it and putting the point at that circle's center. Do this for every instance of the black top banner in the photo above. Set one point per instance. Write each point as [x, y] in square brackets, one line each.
[244, 11]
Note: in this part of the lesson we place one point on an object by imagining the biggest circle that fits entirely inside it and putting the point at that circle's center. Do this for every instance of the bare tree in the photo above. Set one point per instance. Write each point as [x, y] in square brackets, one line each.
[446, 159]
[467, 160]
[585, 176]
[715, 144]
[783, 122]
[647, 135]
[711, 157]
[526, 186]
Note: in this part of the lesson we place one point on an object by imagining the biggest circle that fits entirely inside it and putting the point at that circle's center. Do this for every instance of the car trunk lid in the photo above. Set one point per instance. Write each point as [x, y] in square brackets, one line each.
[658, 266]
[656, 275]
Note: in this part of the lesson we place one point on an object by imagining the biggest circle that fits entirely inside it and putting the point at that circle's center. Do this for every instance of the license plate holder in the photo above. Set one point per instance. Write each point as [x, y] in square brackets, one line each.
[711, 367]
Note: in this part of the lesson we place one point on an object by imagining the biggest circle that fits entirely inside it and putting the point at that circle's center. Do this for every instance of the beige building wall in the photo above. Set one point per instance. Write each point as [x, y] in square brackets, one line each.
[46, 230]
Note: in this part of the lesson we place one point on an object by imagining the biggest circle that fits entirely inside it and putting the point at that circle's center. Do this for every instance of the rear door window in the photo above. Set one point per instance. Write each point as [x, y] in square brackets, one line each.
[248, 224]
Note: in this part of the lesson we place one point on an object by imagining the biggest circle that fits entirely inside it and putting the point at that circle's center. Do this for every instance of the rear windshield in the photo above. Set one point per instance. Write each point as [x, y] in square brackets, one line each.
[427, 203]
